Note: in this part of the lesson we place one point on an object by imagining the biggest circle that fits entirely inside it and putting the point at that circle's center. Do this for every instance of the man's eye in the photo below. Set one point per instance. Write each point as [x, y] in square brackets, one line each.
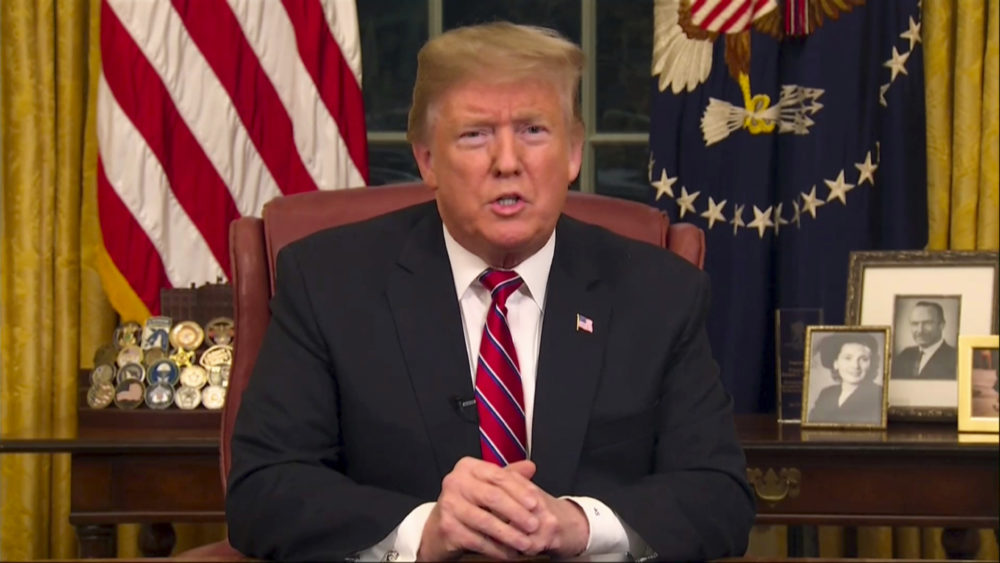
[534, 129]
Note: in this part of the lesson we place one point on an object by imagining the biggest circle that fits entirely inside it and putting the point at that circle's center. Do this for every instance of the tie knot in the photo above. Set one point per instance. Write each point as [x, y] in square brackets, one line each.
[500, 283]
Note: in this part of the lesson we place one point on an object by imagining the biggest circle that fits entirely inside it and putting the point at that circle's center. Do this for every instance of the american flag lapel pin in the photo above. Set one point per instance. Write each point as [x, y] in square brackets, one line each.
[584, 324]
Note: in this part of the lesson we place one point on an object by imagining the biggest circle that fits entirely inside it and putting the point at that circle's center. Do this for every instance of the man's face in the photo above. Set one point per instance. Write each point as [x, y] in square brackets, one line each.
[501, 158]
[926, 325]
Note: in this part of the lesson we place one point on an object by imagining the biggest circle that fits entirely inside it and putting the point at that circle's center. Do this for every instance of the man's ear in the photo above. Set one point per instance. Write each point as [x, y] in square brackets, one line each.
[422, 154]
[575, 151]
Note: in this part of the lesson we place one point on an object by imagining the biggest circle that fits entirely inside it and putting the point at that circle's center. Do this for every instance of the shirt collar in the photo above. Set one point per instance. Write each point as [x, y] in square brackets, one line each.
[929, 351]
[466, 267]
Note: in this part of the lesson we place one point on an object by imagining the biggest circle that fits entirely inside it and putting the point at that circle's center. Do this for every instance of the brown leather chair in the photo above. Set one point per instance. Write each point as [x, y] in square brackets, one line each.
[254, 244]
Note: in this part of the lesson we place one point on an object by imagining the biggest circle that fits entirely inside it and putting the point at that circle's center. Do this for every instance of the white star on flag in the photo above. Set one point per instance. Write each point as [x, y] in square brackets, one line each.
[881, 95]
[737, 221]
[810, 202]
[714, 212]
[797, 214]
[664, 185]
[761, 220]
[866, 170]
[685, 201]
[897, 64]
[778, 219]
[912, 34]
[838, 188]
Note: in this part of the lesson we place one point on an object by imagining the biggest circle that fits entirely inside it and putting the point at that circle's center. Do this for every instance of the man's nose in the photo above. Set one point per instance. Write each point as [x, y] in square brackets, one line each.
[506, 154]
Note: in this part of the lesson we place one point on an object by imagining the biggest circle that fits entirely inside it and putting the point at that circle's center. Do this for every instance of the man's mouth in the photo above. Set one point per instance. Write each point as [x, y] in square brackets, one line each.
[508, 200]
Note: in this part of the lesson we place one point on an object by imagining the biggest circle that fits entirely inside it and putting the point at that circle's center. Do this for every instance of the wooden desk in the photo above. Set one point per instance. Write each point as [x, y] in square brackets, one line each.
[126, 473]
[911, 474]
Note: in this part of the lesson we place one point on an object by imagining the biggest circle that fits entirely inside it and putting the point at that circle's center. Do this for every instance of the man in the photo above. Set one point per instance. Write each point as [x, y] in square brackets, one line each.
[932, 357]
[480, 373]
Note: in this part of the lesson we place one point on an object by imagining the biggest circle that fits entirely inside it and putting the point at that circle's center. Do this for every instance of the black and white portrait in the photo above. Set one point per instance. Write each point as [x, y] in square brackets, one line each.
[925, 334]
[845, 383]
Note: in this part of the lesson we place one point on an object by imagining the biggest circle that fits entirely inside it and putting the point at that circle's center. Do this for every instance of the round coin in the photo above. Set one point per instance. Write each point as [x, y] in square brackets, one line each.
[220, 330]
[106, 354]
[163, 371]
[187, 398]
[131, 372]
[130, 354]
[103, 373]
[219, 375]
[213, 397]
[100, 395]
[194, 376]
[187, 335]
[153, 355]
[127, 334]
[159, 396]
[217, 355]
[129, 394]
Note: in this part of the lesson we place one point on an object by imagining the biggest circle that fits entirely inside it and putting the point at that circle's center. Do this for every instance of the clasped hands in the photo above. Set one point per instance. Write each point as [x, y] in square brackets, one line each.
[500, 513]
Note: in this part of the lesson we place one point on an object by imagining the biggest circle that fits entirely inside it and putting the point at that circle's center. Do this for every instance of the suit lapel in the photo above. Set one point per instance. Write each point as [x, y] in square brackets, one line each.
[569, 362]
[421, 294]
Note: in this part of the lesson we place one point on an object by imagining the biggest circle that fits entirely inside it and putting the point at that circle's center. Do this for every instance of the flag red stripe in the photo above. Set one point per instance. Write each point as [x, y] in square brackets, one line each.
[696, 6]
[735, 18]
[332, 75]
[214, 28]
[141, 94]
[129, 246]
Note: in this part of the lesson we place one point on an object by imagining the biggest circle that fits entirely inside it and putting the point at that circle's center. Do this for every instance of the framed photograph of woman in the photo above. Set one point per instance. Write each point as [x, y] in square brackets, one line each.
[846, 375]
[978, 383]
[929, 299]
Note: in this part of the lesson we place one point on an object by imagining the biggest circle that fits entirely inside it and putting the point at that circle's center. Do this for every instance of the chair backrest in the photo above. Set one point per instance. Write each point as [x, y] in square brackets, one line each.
[255, 242]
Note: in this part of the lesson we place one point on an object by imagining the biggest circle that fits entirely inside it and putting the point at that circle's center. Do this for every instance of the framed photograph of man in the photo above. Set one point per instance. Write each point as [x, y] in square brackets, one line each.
[846, 371]
[925, 337]
[978, 383]
[929, 299]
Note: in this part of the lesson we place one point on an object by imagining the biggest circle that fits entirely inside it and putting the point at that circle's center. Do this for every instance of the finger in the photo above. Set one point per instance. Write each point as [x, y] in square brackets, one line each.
[513, 482]
[525, 468]
[491, 525]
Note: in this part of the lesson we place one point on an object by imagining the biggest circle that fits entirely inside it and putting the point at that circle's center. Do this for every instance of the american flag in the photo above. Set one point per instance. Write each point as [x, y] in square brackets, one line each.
[584, 324]
[206, 110]
[728, 16]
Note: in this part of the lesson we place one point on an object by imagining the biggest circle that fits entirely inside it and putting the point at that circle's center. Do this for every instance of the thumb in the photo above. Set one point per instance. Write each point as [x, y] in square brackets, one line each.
[524, 468]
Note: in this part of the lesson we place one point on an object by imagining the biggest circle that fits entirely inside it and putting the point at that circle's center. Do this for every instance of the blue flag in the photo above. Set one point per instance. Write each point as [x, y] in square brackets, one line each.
[792, 132]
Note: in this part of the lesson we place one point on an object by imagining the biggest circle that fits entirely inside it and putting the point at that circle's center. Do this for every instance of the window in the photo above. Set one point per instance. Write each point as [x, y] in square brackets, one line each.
[616, 36]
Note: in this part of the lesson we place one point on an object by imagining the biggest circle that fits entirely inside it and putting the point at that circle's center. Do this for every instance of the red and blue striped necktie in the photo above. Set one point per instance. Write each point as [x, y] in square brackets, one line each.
[499, 398]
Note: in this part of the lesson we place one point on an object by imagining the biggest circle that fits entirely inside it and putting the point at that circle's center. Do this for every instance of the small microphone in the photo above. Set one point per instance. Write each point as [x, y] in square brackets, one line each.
[466, 408]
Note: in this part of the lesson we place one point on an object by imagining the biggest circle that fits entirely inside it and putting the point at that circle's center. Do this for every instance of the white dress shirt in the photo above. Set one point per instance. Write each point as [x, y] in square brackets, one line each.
[927, 353]
[608, 535]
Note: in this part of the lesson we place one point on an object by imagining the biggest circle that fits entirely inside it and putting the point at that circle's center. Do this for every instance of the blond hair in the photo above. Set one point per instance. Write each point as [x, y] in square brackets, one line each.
[493, 52]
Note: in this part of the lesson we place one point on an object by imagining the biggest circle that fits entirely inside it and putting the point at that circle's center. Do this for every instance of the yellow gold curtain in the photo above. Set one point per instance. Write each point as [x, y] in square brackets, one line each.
[54, 310]
[960, 53]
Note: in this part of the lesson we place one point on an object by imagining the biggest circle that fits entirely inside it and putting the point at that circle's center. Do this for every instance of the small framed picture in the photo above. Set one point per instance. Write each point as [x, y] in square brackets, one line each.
[978, 384]
[846, 371]
[929, 299]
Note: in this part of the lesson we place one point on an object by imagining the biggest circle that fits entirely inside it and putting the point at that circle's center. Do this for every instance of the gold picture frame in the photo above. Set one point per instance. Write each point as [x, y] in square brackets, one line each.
[883, 285]
[978, 395]
[826, 400]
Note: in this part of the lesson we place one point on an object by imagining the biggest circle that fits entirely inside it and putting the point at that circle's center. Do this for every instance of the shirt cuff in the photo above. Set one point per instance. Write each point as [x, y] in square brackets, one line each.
[607, 532]
[402, 543]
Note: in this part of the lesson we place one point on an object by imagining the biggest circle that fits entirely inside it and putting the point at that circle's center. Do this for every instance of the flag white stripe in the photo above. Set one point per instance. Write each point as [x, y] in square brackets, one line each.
[142, 185]
[200, 99]
[270, 33]
[342, 19]
[728, 11]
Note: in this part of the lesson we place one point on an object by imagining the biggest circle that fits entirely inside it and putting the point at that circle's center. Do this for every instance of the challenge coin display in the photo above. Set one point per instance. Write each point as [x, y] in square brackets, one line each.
[105, 355]
[220, 330]
[163, 371]
[129, 394]
[219, 375]
[217, 355]
[187, 335]
[159, 396]
[131, 372]
[156, 333]
[127, 334]
[194, 376]
[100, 395]
[103, 373]
[213, 397]
[130, 354]
[153, 355]
[187, 398]
[183, 358]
